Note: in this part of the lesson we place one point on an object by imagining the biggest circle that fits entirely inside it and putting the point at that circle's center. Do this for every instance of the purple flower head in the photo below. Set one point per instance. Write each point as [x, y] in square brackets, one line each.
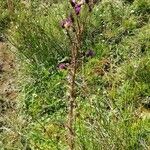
[74, 3]
[67, 23]
[77, 5]
[62, 66]
[77, 9]
[90, 53]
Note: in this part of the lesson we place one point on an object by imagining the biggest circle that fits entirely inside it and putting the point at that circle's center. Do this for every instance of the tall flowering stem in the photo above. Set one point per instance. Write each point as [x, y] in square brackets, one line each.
[75, 48]
[72, 99]
[74, 29]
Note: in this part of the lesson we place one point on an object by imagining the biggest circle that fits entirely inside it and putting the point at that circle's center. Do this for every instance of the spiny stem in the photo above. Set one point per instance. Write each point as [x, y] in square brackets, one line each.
[72, 87]
[72, 98]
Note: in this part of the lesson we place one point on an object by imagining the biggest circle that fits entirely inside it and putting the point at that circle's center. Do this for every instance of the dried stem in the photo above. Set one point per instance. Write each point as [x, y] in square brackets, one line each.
[10, 6]
[72, 88]
[72, 98]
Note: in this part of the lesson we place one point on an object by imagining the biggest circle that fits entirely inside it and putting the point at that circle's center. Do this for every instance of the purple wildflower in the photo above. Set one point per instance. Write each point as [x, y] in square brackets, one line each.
[90, 53]
[62, 66]
[77, 5]
[77, 9]
[67, 23]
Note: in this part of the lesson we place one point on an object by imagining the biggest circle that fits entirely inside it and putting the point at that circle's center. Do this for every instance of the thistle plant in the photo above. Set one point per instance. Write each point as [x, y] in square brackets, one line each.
[74, 29]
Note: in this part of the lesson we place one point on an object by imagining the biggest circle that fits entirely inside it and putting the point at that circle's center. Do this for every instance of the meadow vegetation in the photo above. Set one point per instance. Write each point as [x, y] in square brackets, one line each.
[112, 98]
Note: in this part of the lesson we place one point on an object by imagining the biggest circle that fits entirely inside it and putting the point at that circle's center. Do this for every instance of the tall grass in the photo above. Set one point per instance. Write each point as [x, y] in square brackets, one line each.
[110, 102]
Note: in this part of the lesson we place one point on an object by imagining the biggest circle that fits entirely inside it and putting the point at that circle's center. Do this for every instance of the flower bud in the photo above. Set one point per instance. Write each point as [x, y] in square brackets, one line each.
[62, 66]
[90, 53]
[67, 23]
[77, 9]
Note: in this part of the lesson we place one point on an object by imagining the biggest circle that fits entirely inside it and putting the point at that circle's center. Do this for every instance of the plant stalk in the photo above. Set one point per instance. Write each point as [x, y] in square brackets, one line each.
[72, 98]
[72, 86]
